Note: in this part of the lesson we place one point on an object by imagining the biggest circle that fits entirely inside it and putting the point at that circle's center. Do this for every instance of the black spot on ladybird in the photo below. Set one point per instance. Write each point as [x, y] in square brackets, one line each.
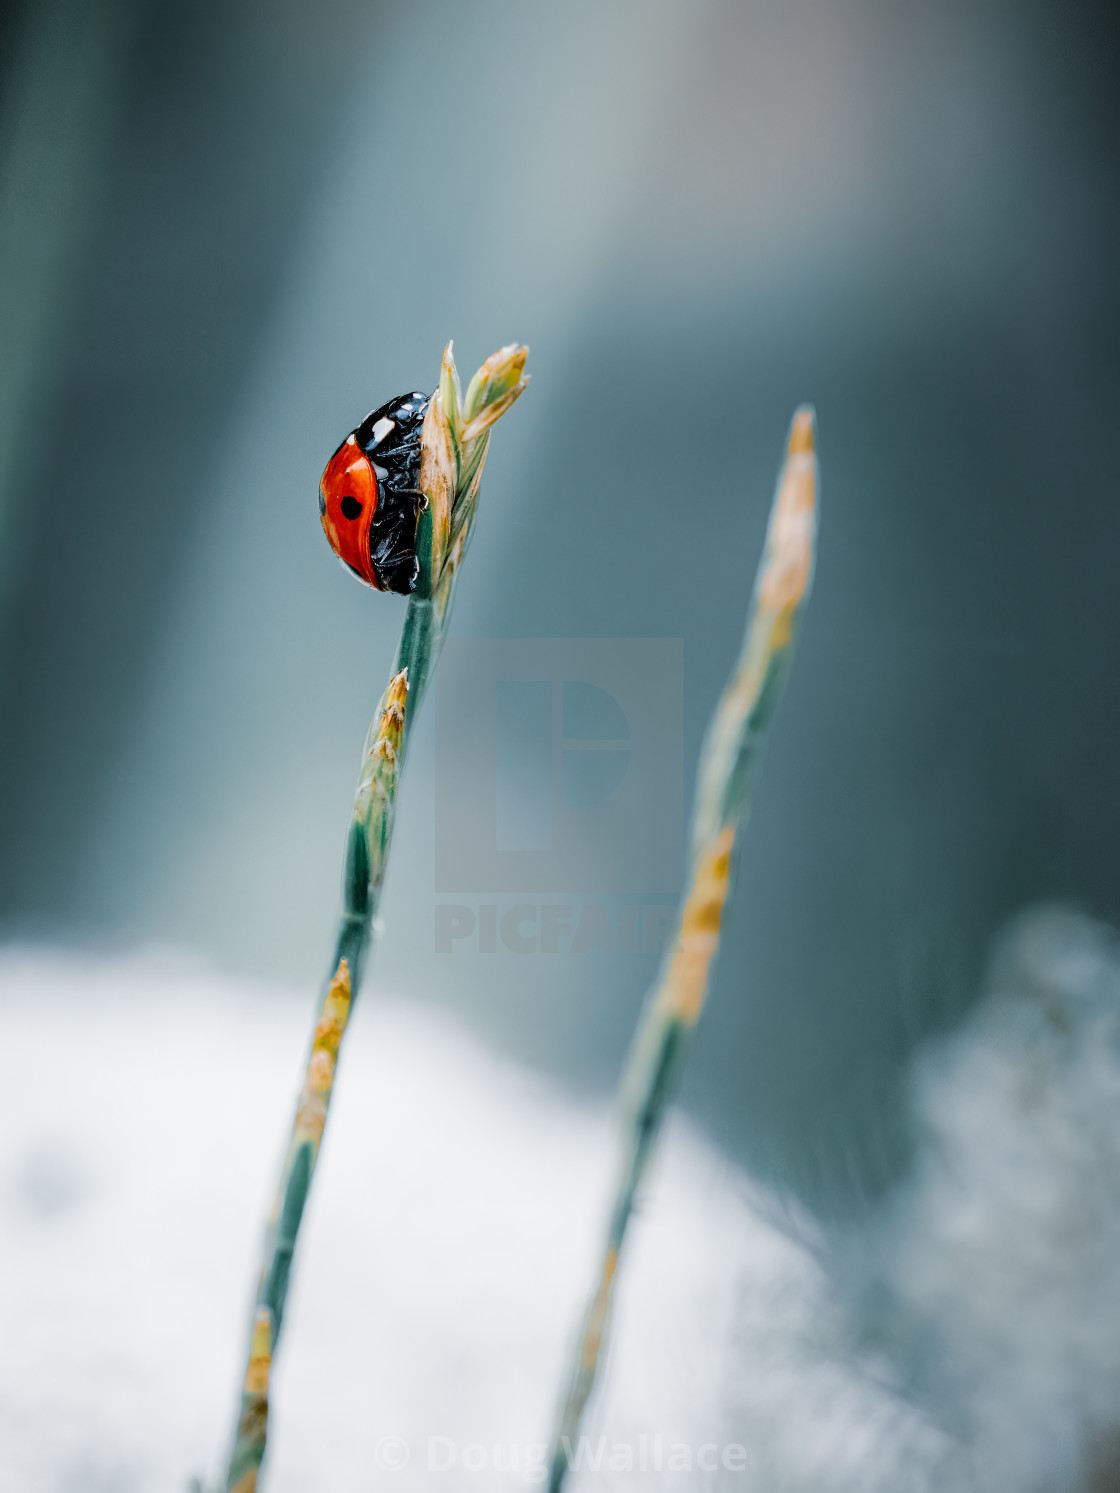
[350, 506]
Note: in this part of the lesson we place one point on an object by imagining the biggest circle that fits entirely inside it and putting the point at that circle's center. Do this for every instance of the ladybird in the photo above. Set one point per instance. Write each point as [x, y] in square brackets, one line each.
[369, 501]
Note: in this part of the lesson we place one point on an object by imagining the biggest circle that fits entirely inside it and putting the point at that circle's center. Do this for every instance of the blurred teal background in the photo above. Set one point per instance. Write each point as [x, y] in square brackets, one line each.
[227, 231]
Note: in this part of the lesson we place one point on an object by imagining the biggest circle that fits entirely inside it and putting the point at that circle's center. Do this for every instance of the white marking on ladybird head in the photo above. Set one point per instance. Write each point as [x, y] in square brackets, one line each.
[382, 428]
[350, 440]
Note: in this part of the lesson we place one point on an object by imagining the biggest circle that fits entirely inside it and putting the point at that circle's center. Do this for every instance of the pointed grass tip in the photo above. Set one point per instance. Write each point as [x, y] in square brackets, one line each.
[498, 383]
[803, 431]
[450, 390]
[787, 567]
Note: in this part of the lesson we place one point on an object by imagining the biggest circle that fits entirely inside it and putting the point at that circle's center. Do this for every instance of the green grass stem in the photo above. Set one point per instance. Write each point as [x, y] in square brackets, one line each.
[723, 796]
[454, 442]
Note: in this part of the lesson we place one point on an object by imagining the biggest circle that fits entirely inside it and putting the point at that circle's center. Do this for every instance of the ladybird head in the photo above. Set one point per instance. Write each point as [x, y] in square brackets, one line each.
[348, 495]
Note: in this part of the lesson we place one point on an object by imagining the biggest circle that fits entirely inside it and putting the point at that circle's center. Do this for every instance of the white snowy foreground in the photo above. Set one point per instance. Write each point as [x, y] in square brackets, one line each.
[968, 1339]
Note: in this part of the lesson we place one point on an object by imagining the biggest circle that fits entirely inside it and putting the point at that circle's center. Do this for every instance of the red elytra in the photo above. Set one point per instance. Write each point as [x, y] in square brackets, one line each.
[349, 497]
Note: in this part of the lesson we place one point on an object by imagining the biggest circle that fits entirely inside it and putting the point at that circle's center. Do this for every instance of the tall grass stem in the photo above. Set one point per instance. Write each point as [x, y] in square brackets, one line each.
[454, 443]
[725, 780]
